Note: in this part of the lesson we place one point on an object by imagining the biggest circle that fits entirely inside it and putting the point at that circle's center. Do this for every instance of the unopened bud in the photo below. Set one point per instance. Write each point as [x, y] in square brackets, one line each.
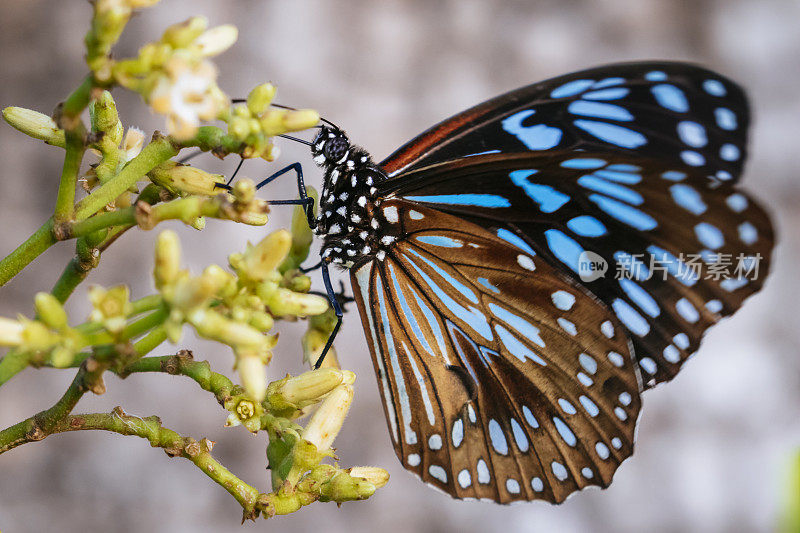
[375, 475]
[301, 119]
[260, 97]
[216, 40]
[50, 311]
[342, 488]
[285, 302]
[104, 118]
[260, 261]
[168, 258]
[253, 374]
[329, 417]
[184, 33]
[35, 124]
[186, 179]
[310, 385]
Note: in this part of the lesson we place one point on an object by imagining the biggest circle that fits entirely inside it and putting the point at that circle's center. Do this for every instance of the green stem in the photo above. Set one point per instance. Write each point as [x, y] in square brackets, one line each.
[87, 257]
[44, 423]
[158, 151]
[118, 217]
[150, 342]
[65, 201]
[26, 252]
[77, 101]
[158, 436]
[183, 364]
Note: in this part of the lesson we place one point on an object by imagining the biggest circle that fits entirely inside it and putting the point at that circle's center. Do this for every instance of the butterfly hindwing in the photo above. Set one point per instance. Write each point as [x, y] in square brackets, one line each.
[672, 112]
[636, 214]
[501, 379]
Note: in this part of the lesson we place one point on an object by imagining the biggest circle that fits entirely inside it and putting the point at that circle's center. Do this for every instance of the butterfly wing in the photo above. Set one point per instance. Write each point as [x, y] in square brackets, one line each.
[673, 112]
[501, 379]
[688, 250]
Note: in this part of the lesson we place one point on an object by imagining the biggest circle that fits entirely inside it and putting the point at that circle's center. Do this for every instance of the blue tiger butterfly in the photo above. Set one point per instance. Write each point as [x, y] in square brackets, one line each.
[526, 268]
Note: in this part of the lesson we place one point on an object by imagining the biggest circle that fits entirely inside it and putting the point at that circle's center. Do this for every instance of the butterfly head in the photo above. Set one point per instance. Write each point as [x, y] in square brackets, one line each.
[330, 147]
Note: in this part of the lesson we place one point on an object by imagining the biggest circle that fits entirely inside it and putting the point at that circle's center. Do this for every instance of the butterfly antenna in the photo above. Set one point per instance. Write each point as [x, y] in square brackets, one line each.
[323, 119]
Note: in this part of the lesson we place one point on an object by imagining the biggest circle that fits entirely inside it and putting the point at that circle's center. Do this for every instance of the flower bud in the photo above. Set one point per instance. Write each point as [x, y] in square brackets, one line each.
[310, 385]
[328, 419]
[104, 118]
[301, 119]
[282, 302]
[186, 179]
[212, 325]
[35, 124]
[10, 332]
[343, 487]
[216, 40]
[50, 311]
[260, 97]
[259, 262]
[184, 33]
[373, 474]
[253, 374]
[168, 258]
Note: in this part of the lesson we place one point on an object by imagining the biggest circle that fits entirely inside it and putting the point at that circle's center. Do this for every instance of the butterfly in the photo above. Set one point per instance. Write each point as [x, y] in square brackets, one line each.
[525, 269]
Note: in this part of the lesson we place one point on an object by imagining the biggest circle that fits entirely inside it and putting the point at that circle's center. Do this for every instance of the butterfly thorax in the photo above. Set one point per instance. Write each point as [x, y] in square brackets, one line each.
[347, 217]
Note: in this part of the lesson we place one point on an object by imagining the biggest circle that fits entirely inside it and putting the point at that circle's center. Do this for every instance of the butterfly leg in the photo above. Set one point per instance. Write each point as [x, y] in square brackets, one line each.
[334, 301]
[304, 200]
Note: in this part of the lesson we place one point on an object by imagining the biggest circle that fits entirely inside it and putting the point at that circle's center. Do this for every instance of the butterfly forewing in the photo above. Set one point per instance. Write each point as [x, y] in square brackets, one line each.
[501, 378]
[671, 112]
[682, 251]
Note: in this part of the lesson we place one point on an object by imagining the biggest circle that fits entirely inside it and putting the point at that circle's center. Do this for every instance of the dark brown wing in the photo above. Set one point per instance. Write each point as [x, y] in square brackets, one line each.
[672, 112]
[682, 251]
[501, 379]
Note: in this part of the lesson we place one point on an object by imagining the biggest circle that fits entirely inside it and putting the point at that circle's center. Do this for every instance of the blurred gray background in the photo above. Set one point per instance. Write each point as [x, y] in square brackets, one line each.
[713, 445]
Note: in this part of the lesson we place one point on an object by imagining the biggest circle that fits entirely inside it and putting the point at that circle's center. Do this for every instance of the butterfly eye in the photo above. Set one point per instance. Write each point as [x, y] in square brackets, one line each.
[335, 148]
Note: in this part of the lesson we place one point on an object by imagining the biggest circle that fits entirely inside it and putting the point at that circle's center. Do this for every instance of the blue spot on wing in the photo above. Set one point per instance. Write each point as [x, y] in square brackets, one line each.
[583, 163]
[607, 94]
[564, 248]
[611, 133]
[479, 200]
[440, 240]
[640, 297]
[586, 226]
[608, 188]
[571, 88]
[513, 238]
[547, 197]
[537, 137]
[624, 213]
[670, 97]
[600, 110]
[630, 317]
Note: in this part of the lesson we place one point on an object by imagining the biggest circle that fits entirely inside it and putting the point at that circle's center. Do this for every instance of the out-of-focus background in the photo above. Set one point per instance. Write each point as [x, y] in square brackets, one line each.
[713, 446]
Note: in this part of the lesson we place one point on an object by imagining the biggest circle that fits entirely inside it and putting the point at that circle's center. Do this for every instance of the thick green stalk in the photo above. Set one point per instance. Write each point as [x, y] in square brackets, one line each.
[183, 364]
[158, 151]
[44, 423]
[65, 201]
[149, 428]
[26, 252]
